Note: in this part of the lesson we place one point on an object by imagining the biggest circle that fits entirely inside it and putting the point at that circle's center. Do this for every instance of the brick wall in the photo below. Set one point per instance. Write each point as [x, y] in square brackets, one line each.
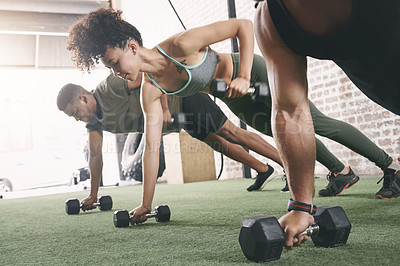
[329, 89]
[336, 96]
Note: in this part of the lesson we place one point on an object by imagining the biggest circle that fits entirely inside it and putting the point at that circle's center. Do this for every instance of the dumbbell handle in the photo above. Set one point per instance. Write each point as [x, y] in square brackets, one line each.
[251, 91]
[312, 230]
[152, 214]
[148, 215]
[94, 203]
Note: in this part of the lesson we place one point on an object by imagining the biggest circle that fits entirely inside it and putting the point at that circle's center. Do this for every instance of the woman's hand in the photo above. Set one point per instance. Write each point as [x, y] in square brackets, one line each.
[88, 203]
[138, 214]
[238, 87]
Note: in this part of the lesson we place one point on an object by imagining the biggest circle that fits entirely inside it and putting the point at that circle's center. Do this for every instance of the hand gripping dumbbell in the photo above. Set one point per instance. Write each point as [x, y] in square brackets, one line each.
[162, 213]
[259, 92]
[262, 238]
[73, 206]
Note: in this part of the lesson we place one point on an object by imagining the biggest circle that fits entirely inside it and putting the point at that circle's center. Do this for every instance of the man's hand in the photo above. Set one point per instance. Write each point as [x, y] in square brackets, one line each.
[238, 87]
[87, 203]
[138, 214]
[293, 224]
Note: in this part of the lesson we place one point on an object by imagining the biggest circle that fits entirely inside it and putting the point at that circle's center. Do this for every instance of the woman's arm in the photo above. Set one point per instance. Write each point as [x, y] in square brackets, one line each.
[193, 40]
[151, 105]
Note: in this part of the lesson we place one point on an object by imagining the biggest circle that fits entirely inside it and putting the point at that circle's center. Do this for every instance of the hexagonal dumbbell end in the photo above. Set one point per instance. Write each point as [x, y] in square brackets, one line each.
[218, 88]
[162, 213]
[178, 120]
[105, 203]
[261, 92]
[334, 227]
[72, 206]
[261, 238]
[121, 218]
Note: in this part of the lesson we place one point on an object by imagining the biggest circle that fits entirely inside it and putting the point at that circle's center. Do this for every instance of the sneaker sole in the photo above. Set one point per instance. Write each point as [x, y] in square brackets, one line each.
[270, 178]
[348, 185]
[381, 197]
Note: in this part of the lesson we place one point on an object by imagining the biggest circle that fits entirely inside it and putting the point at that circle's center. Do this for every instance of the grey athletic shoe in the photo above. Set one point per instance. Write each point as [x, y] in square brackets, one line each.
[262, 179]
[338, 182]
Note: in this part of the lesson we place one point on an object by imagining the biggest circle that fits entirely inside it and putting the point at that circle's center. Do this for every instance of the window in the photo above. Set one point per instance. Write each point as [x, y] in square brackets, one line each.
[17, 50]
[33, 33]
[52, 52]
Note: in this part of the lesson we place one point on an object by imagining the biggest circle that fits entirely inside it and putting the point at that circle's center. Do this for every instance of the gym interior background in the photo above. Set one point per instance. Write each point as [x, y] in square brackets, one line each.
[40, 146]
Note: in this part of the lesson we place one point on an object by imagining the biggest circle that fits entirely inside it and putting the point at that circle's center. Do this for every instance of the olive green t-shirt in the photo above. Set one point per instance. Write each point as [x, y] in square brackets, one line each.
[119, 109]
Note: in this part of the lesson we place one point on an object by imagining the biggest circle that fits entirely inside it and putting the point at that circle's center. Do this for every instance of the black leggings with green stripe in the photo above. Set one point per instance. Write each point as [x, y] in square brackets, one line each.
[258, 116]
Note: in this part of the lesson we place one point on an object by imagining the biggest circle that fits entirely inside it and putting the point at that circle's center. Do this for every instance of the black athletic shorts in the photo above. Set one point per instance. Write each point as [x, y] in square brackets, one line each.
[367, 48]
[202, 115]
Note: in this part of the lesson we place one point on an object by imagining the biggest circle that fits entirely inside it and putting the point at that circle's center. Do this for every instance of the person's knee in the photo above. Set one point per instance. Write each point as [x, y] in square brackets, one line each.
[230, 134]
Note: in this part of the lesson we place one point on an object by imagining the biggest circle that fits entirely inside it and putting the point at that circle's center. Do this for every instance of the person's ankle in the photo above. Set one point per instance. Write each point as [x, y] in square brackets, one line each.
[394, 165]
[344, 171]
[264, 169]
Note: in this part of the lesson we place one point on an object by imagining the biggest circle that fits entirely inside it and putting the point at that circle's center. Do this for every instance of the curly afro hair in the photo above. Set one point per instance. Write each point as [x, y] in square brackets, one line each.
[90, 36]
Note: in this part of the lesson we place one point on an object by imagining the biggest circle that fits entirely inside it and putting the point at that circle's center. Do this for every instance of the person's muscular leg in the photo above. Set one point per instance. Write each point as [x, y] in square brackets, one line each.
[255, 143]
[250, 140]
[350, 137]
[234, 151]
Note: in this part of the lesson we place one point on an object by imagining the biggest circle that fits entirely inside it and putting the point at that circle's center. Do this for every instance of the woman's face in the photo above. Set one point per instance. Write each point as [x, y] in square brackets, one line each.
[124, 63]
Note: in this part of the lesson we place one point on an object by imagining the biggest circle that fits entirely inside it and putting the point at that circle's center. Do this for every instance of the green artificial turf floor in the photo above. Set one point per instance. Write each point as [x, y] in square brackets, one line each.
[204, 227]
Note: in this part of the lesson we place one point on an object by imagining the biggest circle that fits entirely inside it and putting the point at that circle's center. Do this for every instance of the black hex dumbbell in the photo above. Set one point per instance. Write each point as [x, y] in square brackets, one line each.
[73, 206]
[178, 121]
[259, 92]
[162, 213]
[262, 238]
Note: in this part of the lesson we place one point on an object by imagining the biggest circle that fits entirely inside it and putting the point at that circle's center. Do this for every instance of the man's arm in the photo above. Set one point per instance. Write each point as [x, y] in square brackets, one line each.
[95, 167]
[291, 121]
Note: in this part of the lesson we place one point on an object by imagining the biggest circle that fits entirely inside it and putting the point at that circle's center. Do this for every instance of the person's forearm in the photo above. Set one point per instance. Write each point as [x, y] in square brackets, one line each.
[150, 172]
[96, 168]
[295, 139]
[246, 49]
